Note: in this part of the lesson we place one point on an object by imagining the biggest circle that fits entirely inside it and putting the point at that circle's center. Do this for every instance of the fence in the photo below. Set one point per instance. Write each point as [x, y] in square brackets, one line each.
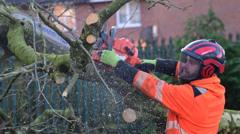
[165, 49]
[91, 101]
[24, 101]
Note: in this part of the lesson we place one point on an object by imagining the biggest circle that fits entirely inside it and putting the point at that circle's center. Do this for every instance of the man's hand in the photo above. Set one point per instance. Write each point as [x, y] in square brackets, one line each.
[147, 61]
[147, 65]
[109, 58]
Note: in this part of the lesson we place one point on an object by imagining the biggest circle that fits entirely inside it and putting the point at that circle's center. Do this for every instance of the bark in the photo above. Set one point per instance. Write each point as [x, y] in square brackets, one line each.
[26, 54]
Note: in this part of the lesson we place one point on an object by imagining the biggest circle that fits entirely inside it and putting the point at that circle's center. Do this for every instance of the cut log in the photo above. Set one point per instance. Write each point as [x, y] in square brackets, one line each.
[92, 19]
[129, 115]
[91, 39]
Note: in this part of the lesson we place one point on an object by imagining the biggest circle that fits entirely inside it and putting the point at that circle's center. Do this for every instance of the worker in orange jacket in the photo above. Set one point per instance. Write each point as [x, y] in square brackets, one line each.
[196, 105]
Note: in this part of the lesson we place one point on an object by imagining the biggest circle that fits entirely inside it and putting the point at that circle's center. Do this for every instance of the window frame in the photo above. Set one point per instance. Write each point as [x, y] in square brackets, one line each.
[65, 18]
[129, 23]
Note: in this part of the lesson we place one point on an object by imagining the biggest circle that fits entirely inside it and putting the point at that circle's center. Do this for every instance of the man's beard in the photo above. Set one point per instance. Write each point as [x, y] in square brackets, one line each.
[186, 79]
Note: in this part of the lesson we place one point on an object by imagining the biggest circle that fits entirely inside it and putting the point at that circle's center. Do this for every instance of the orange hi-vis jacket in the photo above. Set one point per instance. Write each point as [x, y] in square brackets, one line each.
[194, 108]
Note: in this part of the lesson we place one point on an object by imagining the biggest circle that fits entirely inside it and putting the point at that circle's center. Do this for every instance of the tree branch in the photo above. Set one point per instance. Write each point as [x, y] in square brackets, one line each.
[71, 84]
[67, 113]
[25, 53]
[51, 25]
[79, 51]
[165, 3]
[5, 122]
[9, 87]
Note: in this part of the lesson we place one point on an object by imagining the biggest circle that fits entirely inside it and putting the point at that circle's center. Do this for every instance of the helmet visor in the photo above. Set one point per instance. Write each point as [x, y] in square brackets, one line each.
[189, 68]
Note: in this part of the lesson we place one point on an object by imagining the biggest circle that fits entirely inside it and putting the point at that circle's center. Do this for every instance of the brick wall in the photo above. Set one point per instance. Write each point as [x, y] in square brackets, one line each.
[170, 22]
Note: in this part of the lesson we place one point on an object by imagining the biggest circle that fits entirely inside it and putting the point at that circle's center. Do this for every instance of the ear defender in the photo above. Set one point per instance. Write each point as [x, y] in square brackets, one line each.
[207, 71]
[211, 66]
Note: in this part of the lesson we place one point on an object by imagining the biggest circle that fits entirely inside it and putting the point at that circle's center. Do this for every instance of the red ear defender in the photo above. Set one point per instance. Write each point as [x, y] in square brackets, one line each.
[209, 66]
[215, 63]
[207, 71]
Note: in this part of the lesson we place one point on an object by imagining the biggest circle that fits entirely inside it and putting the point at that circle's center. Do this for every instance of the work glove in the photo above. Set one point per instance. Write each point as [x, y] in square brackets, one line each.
[110, 58]
[147, 61]
[147, 65]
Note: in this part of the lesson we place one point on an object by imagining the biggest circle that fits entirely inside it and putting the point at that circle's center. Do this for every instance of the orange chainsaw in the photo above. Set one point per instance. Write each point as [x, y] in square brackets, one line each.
[123, 47]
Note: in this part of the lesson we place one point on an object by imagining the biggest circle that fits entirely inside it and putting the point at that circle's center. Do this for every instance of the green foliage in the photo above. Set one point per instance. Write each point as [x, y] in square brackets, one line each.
[230, 78]
[203, 26]
[209, 26]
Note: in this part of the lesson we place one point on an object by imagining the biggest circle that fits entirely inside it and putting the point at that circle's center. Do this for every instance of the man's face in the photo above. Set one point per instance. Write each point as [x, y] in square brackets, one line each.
[189, 68]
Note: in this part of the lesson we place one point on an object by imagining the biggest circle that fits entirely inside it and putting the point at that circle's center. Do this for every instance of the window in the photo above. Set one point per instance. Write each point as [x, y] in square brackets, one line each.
[129, 15]
[66, 16]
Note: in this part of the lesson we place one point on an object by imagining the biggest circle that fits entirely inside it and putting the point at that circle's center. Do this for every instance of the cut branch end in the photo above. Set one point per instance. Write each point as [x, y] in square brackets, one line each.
[92, 19]
[91, 39]
[59, 78]
[129, 115]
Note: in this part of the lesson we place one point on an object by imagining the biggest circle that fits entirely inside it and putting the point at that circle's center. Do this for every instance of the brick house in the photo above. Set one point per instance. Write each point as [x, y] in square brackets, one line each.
[134, 20]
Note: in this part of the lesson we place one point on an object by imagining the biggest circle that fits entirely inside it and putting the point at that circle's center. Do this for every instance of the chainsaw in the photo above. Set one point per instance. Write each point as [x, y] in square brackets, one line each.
[123, 47]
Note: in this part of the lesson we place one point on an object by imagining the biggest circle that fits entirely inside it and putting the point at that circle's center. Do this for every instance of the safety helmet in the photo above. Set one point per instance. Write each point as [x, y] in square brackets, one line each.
[210, 55]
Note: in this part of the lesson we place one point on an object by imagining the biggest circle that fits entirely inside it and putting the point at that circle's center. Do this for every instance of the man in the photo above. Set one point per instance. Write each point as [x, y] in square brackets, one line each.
[196, 105]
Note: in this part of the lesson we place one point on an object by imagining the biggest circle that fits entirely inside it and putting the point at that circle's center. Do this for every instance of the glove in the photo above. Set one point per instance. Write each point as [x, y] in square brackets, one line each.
[147, 65]
[146, 61]
[109, 58]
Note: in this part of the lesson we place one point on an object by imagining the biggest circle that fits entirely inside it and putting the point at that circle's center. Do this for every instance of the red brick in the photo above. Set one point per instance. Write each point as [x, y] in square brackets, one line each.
[171, 22]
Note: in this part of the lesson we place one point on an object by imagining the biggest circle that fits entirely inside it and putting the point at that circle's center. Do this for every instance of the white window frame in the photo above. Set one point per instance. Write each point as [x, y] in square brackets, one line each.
[128, 24]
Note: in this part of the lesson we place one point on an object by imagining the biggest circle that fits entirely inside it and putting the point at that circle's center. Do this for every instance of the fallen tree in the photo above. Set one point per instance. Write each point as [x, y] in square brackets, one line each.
[75, 59]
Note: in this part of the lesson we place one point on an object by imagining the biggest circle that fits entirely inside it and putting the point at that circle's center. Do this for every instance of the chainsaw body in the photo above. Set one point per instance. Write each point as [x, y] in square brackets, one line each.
[123, 47]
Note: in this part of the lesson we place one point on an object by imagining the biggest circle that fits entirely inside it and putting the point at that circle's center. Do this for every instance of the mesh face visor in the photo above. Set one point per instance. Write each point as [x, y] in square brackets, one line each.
[189, 68]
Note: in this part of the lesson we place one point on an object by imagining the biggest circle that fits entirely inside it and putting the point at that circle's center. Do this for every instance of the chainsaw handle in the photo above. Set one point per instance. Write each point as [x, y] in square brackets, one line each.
[129, 51]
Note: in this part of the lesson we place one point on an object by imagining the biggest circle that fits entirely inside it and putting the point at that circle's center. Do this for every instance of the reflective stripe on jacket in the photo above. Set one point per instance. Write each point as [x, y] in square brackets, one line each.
[188, 113]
